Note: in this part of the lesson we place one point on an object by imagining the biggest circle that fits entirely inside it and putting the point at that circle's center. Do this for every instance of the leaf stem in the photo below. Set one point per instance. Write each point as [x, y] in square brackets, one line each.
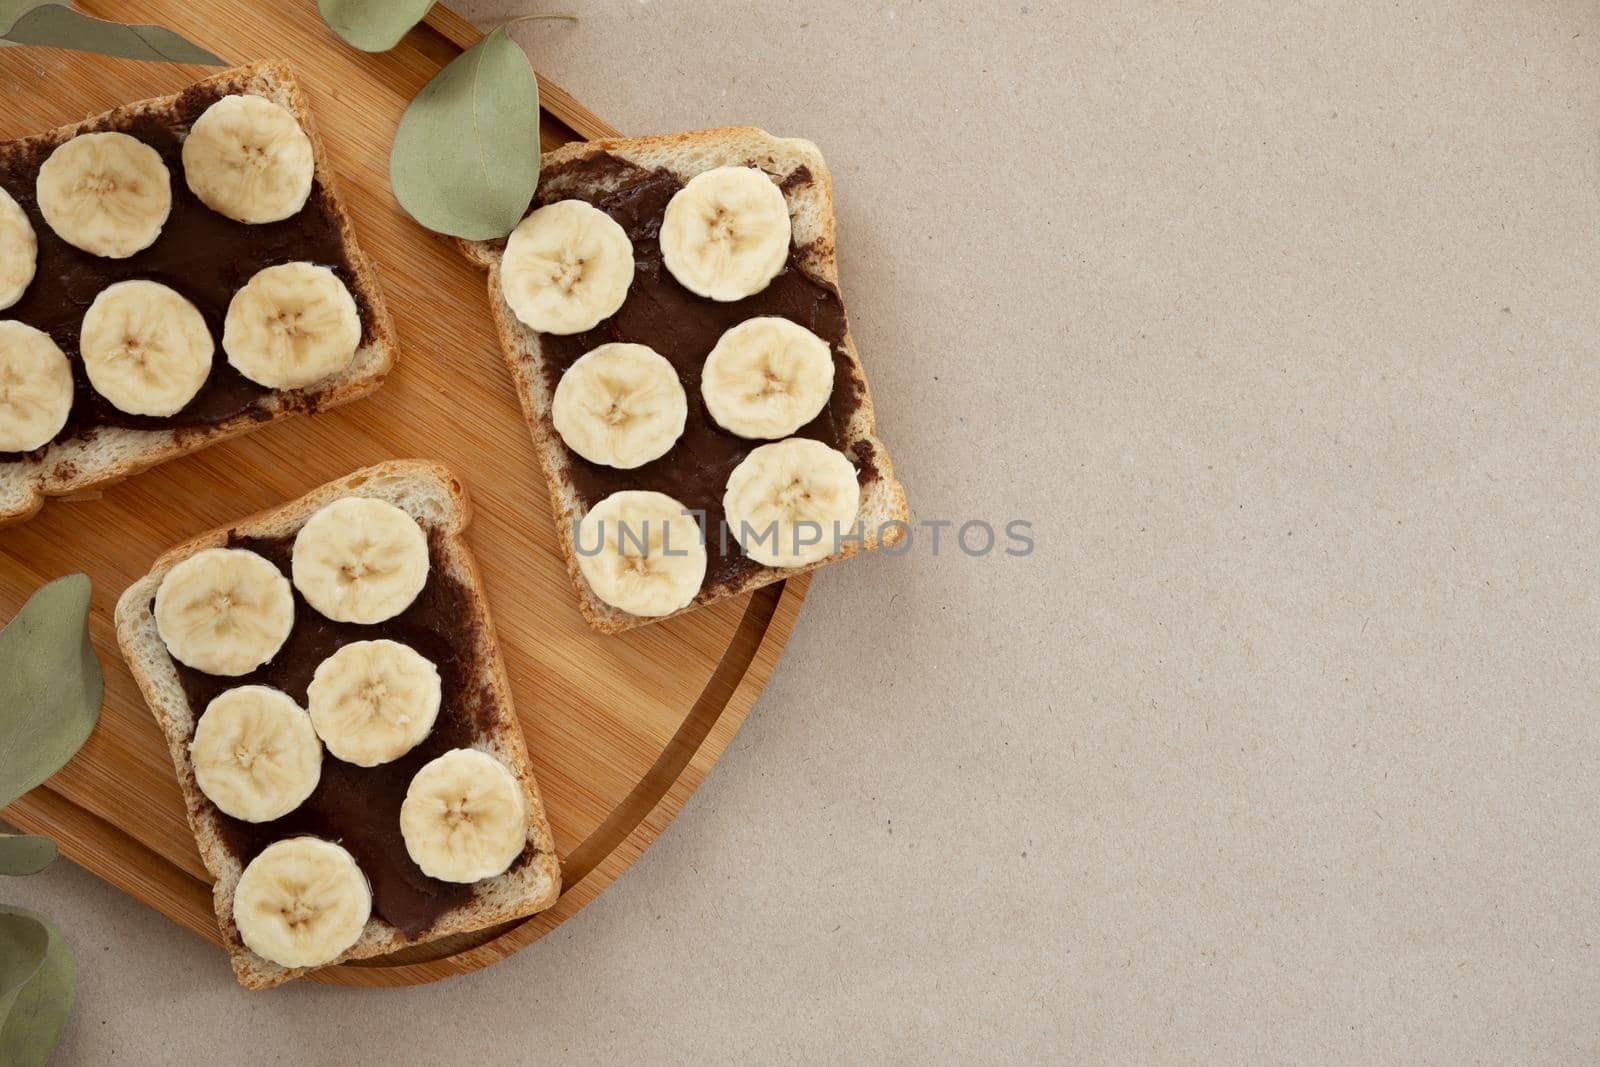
[538, 18]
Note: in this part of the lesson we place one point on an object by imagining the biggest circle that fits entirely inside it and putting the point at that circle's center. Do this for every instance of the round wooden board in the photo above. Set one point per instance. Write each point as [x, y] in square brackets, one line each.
[621, 729]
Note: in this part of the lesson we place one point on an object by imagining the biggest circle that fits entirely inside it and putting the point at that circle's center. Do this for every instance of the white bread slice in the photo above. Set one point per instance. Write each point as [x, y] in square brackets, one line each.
[811, 214]
[111, 454]
[432, 496]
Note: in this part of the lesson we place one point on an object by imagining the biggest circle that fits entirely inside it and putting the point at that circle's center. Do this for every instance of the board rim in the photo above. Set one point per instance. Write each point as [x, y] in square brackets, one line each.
[588, 869]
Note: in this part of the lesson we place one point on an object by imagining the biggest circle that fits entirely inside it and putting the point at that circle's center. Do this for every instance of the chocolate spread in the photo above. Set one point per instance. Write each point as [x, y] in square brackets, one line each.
[684, 328]
[359, 807]
[205, 256]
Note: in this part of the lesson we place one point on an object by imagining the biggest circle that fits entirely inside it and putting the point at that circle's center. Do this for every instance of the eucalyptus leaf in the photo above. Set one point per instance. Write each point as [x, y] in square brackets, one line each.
[466, 157]
[373, 25]
[24, 944]
[50, 685]
[25, 853]
[59, 26]
[11, 11]
[40, 1008]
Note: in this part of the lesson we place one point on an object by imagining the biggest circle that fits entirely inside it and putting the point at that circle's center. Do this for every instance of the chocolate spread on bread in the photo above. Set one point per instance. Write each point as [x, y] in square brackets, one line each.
[684, 328]
[359, 807]
[205, 256]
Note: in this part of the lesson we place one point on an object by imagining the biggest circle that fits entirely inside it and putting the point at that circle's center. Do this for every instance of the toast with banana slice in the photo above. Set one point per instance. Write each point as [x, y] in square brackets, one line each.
[328, 680]
[671, 315]
[154, 216]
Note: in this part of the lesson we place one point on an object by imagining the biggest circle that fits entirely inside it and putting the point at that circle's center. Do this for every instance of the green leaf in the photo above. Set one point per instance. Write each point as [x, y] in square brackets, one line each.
[11, 11]
[50, 685]
[25, 853]
[24, 944]
[59, 26]
[373, 25]
[39, 1009]
[466, 157]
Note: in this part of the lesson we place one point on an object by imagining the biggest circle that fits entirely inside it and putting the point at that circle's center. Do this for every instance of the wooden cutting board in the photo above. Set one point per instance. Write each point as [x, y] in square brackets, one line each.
[622, 729]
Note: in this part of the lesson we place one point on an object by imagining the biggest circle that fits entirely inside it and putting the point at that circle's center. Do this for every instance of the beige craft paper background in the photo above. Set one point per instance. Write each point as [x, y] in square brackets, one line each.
[1279, 321]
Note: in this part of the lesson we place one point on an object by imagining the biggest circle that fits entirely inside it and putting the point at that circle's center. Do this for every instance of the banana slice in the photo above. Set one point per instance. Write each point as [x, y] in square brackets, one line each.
[224, 611]
[19, 251]
[788, 502]
[292, 325]
[464, 818]
[255, 754]
[106, 193]
[767, 377]
[247, 158]
[641, 552]
[725, 234]
[35, 387]
[566, 267]
[621, 405]
[360, 560]
[373, 701]
[145, 348]
[301, 902]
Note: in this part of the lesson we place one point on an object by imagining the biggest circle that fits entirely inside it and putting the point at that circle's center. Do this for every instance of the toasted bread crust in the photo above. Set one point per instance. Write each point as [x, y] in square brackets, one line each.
[432, 495]
[113, 453]
[811, 209]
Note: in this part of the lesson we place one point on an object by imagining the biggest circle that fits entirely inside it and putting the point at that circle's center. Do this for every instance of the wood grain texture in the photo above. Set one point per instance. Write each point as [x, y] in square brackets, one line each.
[621, 729]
